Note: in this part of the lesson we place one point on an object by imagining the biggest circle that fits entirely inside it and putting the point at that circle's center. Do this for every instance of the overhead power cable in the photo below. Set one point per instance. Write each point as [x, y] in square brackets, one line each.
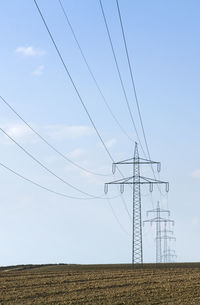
[134, 89]
[120, 76]
[61, 194]
[46, 168]
[92, 73]
[117, 218]
[44, 187]
[132, 79]
[73, 84]
[41, 186]
[49, 144]
[123, 200]
[72, 81]
[121, 81]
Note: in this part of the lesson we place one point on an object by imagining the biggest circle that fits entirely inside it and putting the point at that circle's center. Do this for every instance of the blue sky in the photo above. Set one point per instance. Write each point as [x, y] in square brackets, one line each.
[164, 44]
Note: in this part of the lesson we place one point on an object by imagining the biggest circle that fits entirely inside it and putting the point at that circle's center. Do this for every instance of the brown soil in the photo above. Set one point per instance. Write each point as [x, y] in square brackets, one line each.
[100, 284]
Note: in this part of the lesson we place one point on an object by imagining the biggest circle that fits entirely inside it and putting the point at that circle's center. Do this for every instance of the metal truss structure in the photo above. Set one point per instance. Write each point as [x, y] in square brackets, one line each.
[136, 181]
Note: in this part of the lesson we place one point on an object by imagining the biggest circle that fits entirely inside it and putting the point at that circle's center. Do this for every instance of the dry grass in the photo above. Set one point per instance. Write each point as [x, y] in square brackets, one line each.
[100, 284]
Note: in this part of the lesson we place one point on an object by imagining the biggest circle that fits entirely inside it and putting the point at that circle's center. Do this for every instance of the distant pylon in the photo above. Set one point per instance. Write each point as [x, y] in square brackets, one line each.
[136, 180]
[158, 220]
[169, 255]
[166, 256]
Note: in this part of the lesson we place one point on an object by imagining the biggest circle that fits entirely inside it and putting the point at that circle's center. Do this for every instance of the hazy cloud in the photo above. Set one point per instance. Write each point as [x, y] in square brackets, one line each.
[195, 221]
[17, 130]
[93, 179]
[62, 131]
[59, 132]
[38, 71]
[110, 143]
[77, 153]
[196, 174]
[30, 51]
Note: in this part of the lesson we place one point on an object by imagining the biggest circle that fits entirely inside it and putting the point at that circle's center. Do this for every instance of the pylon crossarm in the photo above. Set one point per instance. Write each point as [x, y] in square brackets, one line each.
[158, 219]
[120, 181]
[166, 231]
[143, 180]
[169, 251]
[127, 181]
[151, 211]
[136, 161]
[146, 161]
[170, 220]
[164, 211]
[158, 210]
[168, 237]
[130, 182]
[124, 161]
[145, 221]
[154, 181]
[140, 182]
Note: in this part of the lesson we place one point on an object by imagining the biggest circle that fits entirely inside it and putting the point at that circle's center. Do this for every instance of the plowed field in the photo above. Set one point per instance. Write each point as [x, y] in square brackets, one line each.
[100, 284]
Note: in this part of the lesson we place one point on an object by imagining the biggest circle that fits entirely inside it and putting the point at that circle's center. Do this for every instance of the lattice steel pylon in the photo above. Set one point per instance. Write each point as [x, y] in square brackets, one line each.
[169, 256]
[167, 251]
[158, 220]
[136, 180]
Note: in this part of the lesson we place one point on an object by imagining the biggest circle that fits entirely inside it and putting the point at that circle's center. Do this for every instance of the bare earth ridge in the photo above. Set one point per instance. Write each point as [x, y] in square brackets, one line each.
[100, 284]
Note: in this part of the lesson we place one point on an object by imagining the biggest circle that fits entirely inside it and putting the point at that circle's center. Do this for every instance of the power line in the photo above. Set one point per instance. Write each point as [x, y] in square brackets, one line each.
[71, 80]
[46, 168]
[41, 186]
[48, 189]
[132, 80]
[49, 144]
[119, 74]
[123, 200]
[91, 72]
[121, 81]
[64, 195]
[117, 218]
[134, 88]
[73, 83]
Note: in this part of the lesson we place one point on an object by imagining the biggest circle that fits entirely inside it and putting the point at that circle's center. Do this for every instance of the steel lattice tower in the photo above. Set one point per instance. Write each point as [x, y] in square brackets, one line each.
[137, 255]
[158, 220]
[136, 180]
[169, 256]
[166, 238]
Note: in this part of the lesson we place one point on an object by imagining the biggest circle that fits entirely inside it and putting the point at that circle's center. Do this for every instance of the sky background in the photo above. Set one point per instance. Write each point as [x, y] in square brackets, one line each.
[164, 44]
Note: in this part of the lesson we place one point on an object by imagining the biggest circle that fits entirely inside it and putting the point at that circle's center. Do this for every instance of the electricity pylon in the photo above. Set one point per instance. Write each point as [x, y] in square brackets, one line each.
[158, 220]
[136, 180]
[167, 238]
[169, 255]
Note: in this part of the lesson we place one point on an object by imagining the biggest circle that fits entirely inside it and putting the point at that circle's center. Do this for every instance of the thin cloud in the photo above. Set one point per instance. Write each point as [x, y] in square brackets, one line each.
[92, 178]
[77, 153]
[30, 51]
[195, 221]
[61, 132]
[110, 143]
[18, 131]
[55, 132]
[196, 174]
[38, 71]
